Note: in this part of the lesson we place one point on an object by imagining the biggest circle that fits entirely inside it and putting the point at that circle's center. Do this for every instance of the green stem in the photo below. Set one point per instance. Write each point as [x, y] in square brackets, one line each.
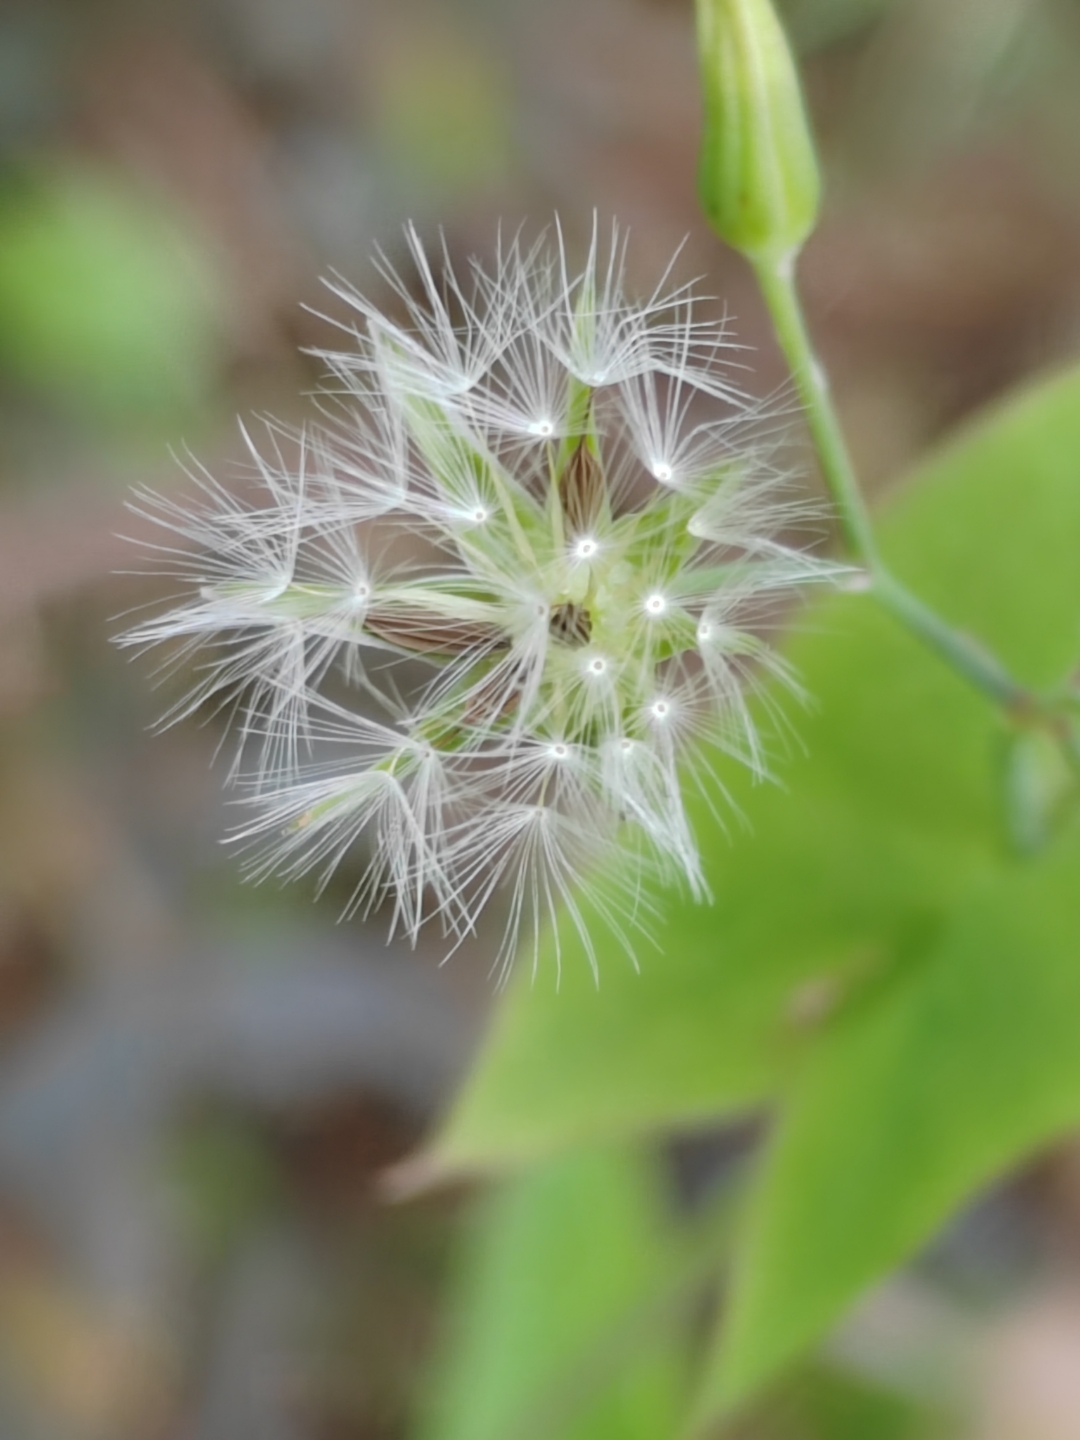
[778, 287]
[977, 665]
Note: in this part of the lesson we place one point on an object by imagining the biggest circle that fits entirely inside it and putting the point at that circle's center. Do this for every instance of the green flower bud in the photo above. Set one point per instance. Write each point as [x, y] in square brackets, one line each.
[1040, 788]
[758, 175]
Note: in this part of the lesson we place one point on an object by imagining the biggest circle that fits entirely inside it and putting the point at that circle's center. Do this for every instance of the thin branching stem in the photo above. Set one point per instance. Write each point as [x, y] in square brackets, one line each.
[975, 663]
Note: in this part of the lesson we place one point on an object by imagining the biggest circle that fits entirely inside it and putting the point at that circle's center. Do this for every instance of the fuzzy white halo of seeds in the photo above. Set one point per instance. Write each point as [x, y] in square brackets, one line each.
[549, 731]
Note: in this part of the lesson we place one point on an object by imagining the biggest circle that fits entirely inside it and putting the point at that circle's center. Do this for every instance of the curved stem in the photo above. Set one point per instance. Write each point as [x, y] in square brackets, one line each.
[977, 665]
[778, 287]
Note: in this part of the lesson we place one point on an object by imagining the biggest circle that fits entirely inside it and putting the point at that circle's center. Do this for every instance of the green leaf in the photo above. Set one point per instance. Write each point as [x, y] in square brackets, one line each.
[549, 1338]
[965, 1055]
[967, 1058]
[709, 1025]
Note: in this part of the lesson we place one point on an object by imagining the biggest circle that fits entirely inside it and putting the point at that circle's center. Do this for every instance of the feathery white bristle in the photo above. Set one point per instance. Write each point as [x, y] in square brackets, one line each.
[589, 531]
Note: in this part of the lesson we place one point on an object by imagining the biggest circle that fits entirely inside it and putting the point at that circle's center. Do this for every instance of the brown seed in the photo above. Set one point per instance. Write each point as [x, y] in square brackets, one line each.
[582, 490]
[571, 623]
[420, 631]
[495, 698]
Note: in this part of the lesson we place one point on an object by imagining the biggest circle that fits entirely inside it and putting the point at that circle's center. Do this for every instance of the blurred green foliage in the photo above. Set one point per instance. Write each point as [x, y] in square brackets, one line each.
[107, 302]
[543, 1340]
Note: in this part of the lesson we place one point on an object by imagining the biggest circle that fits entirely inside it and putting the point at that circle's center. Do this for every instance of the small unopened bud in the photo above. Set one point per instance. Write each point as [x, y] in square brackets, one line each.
[758, 176]
[1039, 788]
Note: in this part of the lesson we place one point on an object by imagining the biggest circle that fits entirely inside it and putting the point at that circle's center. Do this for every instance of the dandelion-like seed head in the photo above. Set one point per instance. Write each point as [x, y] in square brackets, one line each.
[585, 524]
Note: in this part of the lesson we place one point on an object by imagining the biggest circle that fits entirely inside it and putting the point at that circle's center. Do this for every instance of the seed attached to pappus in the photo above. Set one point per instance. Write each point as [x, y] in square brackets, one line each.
[590, 521]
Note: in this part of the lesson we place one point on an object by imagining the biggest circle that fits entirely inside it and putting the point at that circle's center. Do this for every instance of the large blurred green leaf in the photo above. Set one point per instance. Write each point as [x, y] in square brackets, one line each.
[708, 1025]
[105, 300]
[856, 859]
[968, 1056]
[546, 1338]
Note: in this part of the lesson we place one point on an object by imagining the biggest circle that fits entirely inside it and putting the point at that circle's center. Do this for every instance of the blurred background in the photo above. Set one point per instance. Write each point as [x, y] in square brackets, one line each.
[203, 1085]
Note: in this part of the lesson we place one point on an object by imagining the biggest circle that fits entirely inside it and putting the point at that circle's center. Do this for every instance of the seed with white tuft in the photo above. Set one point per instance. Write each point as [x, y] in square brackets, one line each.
[549, 726]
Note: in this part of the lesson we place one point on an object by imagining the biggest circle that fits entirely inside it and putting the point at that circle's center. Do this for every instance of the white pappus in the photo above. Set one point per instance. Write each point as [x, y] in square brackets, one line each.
[587, 523]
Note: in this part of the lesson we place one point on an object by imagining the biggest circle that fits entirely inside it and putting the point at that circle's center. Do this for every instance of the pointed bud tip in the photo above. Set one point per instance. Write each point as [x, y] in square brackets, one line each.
[758, 176]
